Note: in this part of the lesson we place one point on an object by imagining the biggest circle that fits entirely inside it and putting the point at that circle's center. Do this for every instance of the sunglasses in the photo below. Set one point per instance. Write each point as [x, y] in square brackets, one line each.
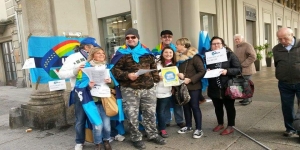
[130, 37]
[167, 36]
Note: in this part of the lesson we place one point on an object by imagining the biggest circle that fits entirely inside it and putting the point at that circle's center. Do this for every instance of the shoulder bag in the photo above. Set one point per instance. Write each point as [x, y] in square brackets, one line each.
[182, 95]
[110, 104]
[239, 88]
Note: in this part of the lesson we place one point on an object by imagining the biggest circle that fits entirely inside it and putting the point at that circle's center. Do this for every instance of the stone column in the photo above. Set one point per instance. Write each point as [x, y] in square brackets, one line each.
[45, 109]
[145, 20]
[190, 19]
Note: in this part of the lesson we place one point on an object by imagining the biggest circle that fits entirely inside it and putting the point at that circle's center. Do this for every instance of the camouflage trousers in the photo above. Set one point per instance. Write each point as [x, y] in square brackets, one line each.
[144, 101]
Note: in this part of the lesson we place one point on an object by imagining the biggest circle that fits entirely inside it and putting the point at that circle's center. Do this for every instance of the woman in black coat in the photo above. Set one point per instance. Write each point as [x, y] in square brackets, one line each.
[217, 86]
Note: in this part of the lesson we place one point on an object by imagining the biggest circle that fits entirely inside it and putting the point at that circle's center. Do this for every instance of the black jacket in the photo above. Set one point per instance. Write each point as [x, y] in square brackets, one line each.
[287, 63]
[233, 67]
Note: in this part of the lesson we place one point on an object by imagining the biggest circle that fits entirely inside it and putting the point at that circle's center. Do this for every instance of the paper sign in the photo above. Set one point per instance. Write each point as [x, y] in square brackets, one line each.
[213, 73]
[97, 74]
[29, 63]
[143, 71]
[216, 56]
[101, 90]
[170, 77]
[57, 85]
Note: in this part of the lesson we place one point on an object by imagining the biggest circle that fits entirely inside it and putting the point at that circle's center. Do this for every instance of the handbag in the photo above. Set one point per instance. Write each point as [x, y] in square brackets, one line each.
[182, 95]
[239, 88]
[110, 104]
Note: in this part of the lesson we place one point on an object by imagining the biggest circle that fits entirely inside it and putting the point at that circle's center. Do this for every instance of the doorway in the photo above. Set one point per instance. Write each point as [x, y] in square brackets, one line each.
[9, 63]
[250, 32]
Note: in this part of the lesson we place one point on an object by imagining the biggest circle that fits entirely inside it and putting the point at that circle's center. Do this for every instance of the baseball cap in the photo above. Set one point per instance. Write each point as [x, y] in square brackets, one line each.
[164, 32]
[89, 40]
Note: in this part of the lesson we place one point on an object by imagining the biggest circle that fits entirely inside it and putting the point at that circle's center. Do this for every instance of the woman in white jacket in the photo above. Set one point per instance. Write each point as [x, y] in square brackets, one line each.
[164, 94]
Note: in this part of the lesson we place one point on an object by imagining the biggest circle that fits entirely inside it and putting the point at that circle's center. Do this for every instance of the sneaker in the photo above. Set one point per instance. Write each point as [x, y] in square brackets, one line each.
[139, 145]
[288, 133]
[111, 139]
[119, 137]
[78, 147]
[246, 102]
[197, 134]
[158, 140]
[185, 130]
[164, 133]
[181, 125]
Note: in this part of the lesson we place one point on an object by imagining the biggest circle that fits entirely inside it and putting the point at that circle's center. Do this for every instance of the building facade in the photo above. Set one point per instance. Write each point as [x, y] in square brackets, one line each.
[257, 20]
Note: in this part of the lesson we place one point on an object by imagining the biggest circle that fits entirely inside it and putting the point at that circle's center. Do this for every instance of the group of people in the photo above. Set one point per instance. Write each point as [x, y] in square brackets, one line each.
[146, 94]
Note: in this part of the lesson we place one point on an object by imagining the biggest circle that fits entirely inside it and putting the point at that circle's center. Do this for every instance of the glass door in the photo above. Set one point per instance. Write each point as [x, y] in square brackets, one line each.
[9, 64]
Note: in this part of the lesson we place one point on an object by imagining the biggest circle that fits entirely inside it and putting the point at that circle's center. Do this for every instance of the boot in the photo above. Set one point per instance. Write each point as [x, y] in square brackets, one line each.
[98, 147]
[106, 145]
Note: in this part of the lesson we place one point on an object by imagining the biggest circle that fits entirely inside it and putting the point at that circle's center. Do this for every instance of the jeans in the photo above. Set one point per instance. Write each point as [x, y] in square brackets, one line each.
[287, 95]
[178, 112]
[102, 131]
[80, 121]
[162, 105]
[230, 109]
[193, 107]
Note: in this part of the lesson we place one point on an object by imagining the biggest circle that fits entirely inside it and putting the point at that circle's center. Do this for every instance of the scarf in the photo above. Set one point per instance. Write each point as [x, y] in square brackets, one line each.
[136, 52]
[97, 63]
[157, 50]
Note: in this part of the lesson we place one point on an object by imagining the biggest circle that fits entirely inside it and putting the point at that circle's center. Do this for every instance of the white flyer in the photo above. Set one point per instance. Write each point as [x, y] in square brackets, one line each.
[29, 63]
[97, 74]
[101, 90]
[143, 71]
[57, 85]
[213, 73]
[216, 56]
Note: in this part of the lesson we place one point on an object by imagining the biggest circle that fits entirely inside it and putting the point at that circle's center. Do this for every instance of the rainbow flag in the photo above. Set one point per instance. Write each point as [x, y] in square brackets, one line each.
[49, 54]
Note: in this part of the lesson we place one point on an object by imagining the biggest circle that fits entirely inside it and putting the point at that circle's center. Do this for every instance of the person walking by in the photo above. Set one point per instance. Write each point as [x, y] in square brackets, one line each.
[166, 38]
[138, 91]
[246, 55]
[216, 86]
[101, 133]
[191, 70]
[69, 70]
[287, 71]
[164, 94]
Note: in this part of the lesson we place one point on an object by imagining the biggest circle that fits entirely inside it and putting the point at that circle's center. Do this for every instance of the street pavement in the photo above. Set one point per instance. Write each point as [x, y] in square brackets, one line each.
[261, 120]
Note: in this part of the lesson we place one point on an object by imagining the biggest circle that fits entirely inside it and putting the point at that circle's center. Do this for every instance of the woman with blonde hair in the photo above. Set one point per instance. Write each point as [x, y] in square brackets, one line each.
[101, 133]
[191, 71]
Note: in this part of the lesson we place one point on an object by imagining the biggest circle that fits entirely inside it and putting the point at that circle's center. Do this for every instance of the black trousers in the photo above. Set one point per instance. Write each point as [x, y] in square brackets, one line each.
[230, 109]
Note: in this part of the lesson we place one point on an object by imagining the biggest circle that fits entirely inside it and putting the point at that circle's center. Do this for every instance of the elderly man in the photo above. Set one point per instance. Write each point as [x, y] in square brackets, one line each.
[247, 55]
[286, 60]
[138, 91]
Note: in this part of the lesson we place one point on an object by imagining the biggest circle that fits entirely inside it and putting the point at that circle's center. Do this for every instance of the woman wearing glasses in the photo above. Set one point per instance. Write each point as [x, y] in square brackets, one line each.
[217, 86]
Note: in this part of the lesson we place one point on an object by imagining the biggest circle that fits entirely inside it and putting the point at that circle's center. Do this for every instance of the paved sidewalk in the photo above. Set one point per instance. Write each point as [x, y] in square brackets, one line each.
[262, 120]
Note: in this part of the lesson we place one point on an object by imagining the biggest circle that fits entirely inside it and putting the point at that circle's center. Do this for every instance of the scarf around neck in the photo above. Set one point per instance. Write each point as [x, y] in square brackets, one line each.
[136, 52]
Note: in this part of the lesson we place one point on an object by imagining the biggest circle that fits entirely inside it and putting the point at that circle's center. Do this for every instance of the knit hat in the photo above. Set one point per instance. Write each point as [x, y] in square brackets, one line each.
[132, 31]
[164, 32]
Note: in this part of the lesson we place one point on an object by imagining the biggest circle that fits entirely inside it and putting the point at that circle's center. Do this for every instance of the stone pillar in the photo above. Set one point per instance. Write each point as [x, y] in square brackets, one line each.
[145, 20]
[45, 109]
[190, 20]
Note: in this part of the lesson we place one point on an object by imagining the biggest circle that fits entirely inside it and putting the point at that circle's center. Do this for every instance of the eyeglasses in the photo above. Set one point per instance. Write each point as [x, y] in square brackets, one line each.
[130, 37]
[216, 44]
[167, 36]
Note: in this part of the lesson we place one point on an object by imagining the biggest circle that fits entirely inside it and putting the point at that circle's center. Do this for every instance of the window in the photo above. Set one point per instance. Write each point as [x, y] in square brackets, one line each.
[208, 23]
[114, 32]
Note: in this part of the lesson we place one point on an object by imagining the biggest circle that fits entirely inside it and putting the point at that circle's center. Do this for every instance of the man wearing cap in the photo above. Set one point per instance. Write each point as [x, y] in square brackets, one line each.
[166, 37]
[70, 69]
[138, 91]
